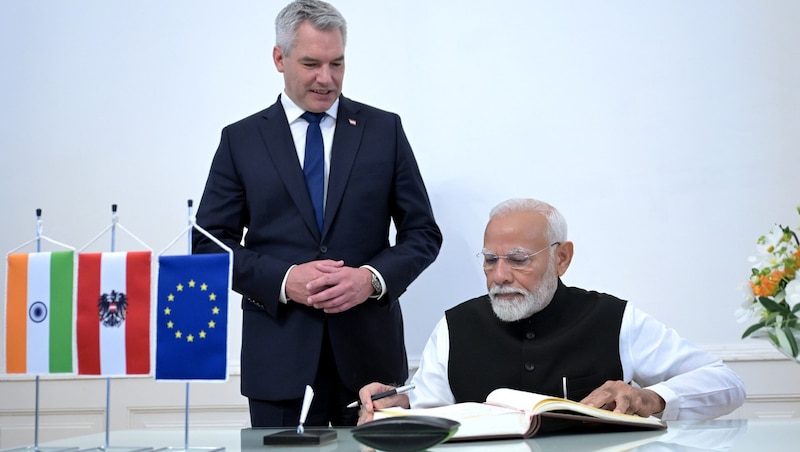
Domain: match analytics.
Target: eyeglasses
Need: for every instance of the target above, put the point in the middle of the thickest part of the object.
(517, 260)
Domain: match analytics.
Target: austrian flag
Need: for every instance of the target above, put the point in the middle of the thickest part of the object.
(113, 327)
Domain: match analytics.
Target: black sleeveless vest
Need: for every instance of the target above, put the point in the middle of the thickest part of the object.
(575, 336)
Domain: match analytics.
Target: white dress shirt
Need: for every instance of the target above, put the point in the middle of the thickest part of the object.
(693, 383)
(299, 126)
(327, 125)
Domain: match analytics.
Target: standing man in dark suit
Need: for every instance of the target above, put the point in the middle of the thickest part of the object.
(320, 289)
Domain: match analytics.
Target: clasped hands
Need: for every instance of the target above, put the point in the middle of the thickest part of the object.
(328, 285)
(616, 396)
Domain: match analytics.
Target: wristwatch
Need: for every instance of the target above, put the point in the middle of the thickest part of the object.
(377, 288)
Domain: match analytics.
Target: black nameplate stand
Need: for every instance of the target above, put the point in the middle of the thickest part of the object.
(307, 438)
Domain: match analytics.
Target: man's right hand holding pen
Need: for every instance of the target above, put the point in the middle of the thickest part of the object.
(368, 406)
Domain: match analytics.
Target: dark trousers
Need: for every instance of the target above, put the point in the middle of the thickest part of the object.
(327, 408)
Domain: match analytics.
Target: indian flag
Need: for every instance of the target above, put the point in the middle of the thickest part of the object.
(113, 326)
(39, 305)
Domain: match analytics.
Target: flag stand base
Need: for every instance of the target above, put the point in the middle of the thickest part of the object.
(42, 449)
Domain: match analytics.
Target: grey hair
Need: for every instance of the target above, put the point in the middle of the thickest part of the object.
(556, 224)
(323, 16)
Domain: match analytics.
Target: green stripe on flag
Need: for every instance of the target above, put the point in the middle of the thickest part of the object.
(61, 305)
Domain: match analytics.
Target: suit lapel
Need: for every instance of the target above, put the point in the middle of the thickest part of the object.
(349, 128)
(280, 148)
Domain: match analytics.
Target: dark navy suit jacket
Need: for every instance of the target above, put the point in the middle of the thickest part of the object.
(256, 182)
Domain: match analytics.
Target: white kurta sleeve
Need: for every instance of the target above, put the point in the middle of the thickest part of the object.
(432, 385)
(693, 383)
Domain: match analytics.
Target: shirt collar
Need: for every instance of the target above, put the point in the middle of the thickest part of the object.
(293, 111)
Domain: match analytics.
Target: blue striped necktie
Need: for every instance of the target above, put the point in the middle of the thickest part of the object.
(314, 164)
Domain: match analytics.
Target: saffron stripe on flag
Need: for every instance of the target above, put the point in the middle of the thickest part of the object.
(16, 313)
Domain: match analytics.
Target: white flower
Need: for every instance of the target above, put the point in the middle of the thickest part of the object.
(765, 247)
(747, 291)
(793, 292)
(750, 308)
(745, 314)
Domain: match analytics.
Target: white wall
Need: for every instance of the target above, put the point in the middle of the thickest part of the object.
(665, 131)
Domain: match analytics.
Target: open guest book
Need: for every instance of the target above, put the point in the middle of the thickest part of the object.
(509, 413)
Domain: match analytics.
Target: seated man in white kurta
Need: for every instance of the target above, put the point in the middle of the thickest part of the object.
(533, 333)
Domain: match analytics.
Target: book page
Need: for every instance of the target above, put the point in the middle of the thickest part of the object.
(455, 412)
(521, 400)
(478, 420)
(539, 404)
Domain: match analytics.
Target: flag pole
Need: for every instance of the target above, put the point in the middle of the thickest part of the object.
(36, 408)
(114, 220)
(108, 379)
(38, 230)
(189, 229)
(188, 251)
(112, 229)
(37, 240)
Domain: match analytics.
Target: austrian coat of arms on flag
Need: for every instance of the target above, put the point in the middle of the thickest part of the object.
(113, 326)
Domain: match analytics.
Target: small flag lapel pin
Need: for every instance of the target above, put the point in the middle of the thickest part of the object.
(352, 121)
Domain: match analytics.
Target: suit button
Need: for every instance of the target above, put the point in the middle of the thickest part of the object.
(323, 249)
(529, 367)
(530, 335)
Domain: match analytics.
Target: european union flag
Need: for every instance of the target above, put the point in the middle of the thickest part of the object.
(192, 317)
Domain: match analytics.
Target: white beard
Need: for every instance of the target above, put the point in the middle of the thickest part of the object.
(531, 302)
